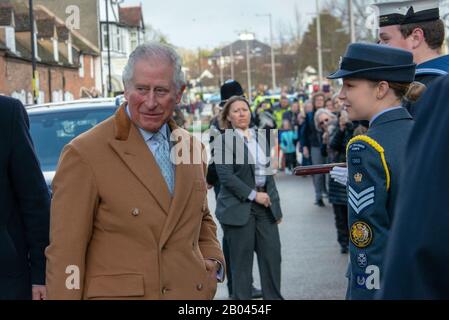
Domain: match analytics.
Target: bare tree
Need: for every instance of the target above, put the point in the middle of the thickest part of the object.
(340, 9)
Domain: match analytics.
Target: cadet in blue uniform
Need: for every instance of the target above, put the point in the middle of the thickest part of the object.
(375, 80)
(416, 26)
(416, 262)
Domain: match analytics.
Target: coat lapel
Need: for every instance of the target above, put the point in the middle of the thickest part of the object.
(248, 156)
(184, 181)
(132, 149)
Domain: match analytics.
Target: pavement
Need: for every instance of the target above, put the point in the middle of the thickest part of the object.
(312, 266)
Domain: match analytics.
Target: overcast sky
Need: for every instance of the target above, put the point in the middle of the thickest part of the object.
(210, 23)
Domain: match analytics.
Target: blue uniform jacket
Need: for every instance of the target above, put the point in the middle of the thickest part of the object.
(375, 162)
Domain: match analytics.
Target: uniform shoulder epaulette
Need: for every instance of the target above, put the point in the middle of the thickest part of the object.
(376, 146)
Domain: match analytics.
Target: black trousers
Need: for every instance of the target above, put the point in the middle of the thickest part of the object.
(260, 234)
(290, 160)
(341, 222)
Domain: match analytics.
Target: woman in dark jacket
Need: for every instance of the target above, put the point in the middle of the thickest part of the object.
(248, 205)
(338, 196)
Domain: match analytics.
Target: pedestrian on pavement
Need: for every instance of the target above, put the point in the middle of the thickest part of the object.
(229, 89)
(312, 147)
(248, 206)
(373, 90)
(128, 218)
(338, 195)
(24, 208)
(288, 139)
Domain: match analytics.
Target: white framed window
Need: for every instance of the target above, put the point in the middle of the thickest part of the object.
(69, 53)
(104, 34)
(81, 69)
(134, 40)
(92, 67)
(55, 50)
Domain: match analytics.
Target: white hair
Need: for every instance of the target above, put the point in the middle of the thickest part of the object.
(155, 50)
(318, 113)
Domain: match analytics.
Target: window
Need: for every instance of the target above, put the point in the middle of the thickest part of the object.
(52, 131)
(134, 40)
(81, 66)
(104, 34)
(91, 67)
(55, 50)
(69, 51)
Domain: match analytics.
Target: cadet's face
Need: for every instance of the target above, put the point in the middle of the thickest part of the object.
(152, 95)
(239, 115)
(392, 36)
(358, 97)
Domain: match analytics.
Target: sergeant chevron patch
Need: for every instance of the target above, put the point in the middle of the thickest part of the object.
(361, 200)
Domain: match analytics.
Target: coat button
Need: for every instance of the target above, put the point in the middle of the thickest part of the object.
(199, 287)
(135, 212)
(164, 290)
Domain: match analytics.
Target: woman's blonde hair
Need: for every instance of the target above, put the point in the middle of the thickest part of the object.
(223, 118)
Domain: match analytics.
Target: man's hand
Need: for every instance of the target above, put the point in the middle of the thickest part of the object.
(305, 152)
(263, 199)
(212, 266)
(39, 292)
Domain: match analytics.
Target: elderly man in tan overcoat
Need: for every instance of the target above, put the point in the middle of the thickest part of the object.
(127, 220)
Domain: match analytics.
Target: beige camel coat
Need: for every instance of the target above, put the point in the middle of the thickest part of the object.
(113, 219)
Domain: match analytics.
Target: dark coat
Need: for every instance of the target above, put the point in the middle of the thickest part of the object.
(337, 153)
(24, 206)
(237, 181)
(375, 166)
(417, 255)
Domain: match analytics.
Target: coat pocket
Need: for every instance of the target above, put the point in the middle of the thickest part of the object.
(116, 286)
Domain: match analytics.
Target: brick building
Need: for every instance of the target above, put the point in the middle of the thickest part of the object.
(66, 61)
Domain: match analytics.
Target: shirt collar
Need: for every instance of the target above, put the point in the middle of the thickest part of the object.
(146, 134)
(240, 133)
(383, 112)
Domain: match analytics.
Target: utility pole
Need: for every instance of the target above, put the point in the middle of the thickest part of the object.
(232, 62)
(319, 45)
(247, 37)
(35, 78)
(109, 49)
(351, 20)
(273, 63)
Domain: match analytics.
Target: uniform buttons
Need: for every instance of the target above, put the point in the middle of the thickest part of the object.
(199, 287)
(135, 212)
(165, 290)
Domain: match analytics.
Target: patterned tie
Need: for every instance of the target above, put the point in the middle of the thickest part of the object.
(162, 156)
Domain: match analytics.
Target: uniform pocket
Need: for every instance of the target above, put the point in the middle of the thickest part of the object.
(121, 285)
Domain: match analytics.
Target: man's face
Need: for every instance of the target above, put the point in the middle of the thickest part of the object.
(392, 36)
(152, 95)
(284, 103)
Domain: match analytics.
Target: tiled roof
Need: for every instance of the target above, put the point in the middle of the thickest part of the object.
(131, 16)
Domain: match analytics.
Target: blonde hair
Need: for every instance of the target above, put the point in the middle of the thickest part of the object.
(223, 118)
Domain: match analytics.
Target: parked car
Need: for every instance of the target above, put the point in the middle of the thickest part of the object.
(54, 125)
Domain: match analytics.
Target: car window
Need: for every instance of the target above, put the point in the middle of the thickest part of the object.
(53, 130)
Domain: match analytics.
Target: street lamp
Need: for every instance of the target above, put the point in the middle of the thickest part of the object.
(351, 20)
(35, 78)
(247, 36)
(116, 2)
(319, 45)
(273, 66)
